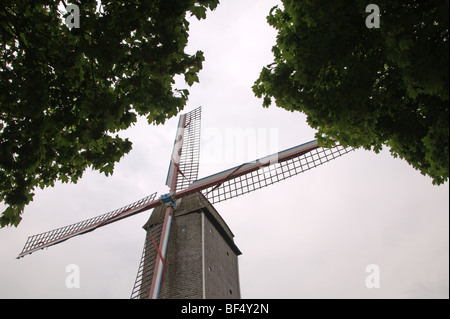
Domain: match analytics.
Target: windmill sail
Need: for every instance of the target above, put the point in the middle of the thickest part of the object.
(184, 164)
(266, 171)
(142, 285)
(53, 237)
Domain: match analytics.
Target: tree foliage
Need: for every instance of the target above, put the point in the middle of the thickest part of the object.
(65, 93)
(366, 87)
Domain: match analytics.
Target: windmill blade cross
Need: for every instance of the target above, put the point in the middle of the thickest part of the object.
(182, 181)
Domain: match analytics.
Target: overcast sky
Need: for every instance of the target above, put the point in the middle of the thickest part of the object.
(311, 236)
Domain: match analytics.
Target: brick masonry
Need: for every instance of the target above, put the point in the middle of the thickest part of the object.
(201, 259)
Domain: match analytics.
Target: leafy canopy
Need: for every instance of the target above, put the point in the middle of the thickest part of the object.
(66, 93)
(366, 87)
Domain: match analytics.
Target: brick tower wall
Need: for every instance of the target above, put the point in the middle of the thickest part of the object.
(201, 258)
(221, 265)
(183, 272)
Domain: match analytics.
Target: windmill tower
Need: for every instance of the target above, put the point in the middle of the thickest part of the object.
(201, 260)
(189, 251)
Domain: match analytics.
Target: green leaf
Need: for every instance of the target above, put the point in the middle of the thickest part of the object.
(199, 12)
(64, 178)
(191, 78)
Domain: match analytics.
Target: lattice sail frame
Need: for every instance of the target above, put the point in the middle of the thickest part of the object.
(190, 156)
(53, 237)
(272, 174)
(186, 151)
(142, 284)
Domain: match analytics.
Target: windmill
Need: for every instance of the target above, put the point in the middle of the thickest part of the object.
(183, 187)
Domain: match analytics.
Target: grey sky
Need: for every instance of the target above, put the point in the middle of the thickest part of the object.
(311, 236)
